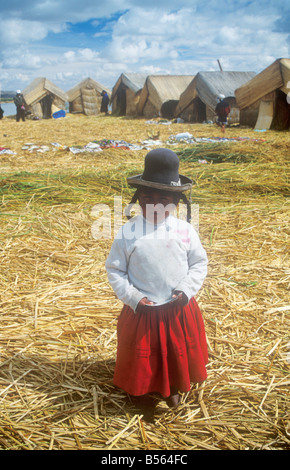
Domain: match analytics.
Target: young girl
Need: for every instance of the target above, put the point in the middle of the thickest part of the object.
(156, 266)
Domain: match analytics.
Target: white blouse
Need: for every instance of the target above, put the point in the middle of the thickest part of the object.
(153, 261)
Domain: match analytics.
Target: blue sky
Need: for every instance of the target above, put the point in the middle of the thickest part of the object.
(67, 40)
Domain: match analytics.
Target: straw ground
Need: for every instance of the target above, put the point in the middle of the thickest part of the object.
(58, 314)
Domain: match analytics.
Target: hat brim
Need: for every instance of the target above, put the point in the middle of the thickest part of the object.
(137, 182)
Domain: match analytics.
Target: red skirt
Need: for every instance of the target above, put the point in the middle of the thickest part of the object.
(163, 348)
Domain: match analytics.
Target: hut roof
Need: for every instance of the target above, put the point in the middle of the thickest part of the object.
(39, 88)
(209, 85)
(163, 88)
(274, 77)
(134, 81)
(88, 83)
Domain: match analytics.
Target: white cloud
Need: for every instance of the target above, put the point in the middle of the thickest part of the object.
(14, 31)
(88, 54)
(160, 37)
(23, 59)
(18, 31)
(137, 38)
(80, 56)
(187, 33)
(70, 56)
(55, 11)
(151, 70)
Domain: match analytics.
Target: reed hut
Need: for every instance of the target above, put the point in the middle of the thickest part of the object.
(43, 98)
(197, 103)
(86, 97)
(160, 95)
(263, 100)
(126, 93)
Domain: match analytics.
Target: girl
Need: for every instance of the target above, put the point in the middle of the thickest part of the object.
(156, 266)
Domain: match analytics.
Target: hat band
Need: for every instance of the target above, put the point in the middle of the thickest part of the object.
(175, 183)
(166, 181)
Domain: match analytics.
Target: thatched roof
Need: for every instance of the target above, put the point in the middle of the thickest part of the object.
(87, 83)
(39, 88)
(209, 85)
(274, 77)
(86, 97)
(133, 81)
(159, 89)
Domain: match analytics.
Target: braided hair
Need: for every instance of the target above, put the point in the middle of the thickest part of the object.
(177, 198)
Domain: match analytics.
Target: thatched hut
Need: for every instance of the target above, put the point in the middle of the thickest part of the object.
(43, 98)
(263, 100)
(86, 97)
(197, 103)
(126, 93)
(160, 95)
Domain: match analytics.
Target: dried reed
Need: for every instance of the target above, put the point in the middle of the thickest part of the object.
(58, 314)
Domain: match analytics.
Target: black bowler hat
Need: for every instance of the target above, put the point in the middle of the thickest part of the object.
(161, 171)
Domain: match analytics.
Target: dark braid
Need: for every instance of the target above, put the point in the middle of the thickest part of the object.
(178, 196)
(188, 205)
(131, 203)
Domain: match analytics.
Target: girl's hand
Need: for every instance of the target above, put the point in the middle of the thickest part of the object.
(180, 298)
(141, 307)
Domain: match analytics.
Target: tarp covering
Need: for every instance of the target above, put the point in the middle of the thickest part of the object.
(209, 85)
(161, 89)
(133, 81)
(272, 78)
(265, 117)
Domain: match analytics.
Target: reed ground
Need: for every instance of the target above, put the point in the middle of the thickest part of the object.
(58, 313)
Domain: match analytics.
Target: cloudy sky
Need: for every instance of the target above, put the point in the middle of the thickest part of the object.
(68, 40)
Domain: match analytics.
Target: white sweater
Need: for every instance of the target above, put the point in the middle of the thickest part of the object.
(153, 261)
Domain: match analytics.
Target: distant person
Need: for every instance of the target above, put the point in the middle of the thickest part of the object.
(1, 112)
(20, 106)
(105, 102)
(222, 110)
